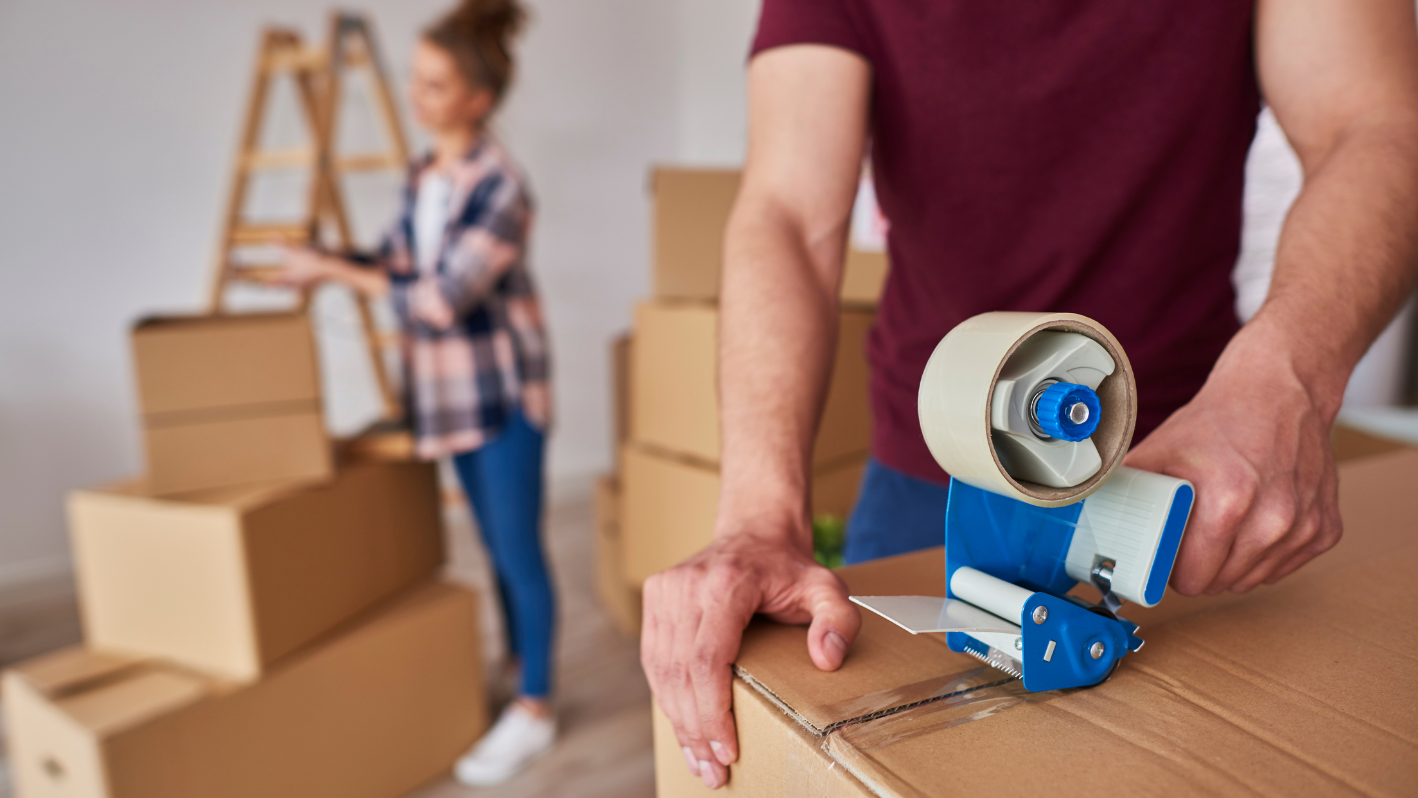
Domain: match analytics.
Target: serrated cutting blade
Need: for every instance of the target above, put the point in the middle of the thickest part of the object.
(1000, 661)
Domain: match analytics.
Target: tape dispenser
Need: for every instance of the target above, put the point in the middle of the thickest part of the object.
(1031, 414)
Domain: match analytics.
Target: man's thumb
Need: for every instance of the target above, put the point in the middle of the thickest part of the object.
(835, 623)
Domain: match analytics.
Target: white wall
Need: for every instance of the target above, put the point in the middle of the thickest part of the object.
(117, 127)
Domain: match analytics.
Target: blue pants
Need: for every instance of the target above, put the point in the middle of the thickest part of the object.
(895, 513)
(503, 480)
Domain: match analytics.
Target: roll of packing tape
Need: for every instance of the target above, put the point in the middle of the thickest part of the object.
(983, 381)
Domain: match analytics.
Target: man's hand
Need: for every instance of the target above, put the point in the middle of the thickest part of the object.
(695, 614)
(1255, 443)
(778, 316)
(1342, 78)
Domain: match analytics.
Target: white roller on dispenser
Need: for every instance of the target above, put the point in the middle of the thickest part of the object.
(987, 592)
(991, 380)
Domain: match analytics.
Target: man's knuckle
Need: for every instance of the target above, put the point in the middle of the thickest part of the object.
(1230, 506)
(703, 666)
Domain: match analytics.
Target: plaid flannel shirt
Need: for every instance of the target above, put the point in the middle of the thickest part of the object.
(474, 342)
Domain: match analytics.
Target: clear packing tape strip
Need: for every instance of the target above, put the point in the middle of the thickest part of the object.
(957, 398)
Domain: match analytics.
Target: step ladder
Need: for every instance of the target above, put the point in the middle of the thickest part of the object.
(319, 75)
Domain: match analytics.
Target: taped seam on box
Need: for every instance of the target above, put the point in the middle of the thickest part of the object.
(882, 703)
(958, 709)
(208, 415)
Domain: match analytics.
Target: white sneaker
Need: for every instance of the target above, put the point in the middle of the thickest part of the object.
(516, 739)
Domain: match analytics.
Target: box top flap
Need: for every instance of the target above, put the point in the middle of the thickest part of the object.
(74, 669)
(1292, 691)
(240, 498)
(888, 670)
(133, 699)
(193, 366)
(163, 321)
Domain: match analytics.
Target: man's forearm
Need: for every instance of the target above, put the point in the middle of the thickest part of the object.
(1347, 255)
(777, 333)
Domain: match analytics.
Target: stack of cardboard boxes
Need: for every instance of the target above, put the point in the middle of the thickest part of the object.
(659, 507)
(259, 619)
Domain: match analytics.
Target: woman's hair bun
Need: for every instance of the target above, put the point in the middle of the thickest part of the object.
(493, 20)
(478, 34)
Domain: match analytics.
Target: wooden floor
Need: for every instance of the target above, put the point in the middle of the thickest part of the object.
(602, 700)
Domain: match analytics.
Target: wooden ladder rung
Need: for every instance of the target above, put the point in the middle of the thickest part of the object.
(270, 234)
(265, 275)
(367, 162)
(278, 159)
(296, 59)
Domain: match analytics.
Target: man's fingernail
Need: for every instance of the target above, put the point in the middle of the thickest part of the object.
(690, 760)
(706, 772)
(721, 752)
(835, 646)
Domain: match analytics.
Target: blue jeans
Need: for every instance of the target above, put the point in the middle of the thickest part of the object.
(895, 513)
(503, 480)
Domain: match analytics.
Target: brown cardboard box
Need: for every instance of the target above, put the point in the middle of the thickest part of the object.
(230, 400)
(863, 278)
(1308, 687)
(621, 349)
(1351, 443)
(668, 506)
(370, 713)
(691, 210)
(674, 393)
(620, 600)
(230, 580)
(382, 441)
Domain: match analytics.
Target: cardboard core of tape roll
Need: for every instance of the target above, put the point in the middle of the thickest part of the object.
(1117, 394)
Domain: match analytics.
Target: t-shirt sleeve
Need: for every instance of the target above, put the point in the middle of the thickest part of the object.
(830, 22)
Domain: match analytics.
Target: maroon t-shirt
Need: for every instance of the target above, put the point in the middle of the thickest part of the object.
(1084, 157)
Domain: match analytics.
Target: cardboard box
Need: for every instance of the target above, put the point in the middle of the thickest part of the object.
(620, 600)
(230, 580)
(691, 211)
(1351, 443)
(668, 506)
(1307, 687)
(621, 349)
(674, 384)
(382, 441)
(230, 400)
(863, 278)
(372, 713)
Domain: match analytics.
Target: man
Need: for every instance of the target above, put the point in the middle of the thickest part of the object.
(1082, 157)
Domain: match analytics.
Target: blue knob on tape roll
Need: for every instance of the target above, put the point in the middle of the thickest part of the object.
(1067, 411)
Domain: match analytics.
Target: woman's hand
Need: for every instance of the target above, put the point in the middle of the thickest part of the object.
(305, 267)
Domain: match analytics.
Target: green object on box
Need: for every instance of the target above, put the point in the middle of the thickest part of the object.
(829, 534)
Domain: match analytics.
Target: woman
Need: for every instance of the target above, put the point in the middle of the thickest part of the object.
(475, 348)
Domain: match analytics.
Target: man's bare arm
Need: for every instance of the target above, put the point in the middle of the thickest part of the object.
(778, 328)
(1342, 78)
(782, 272)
